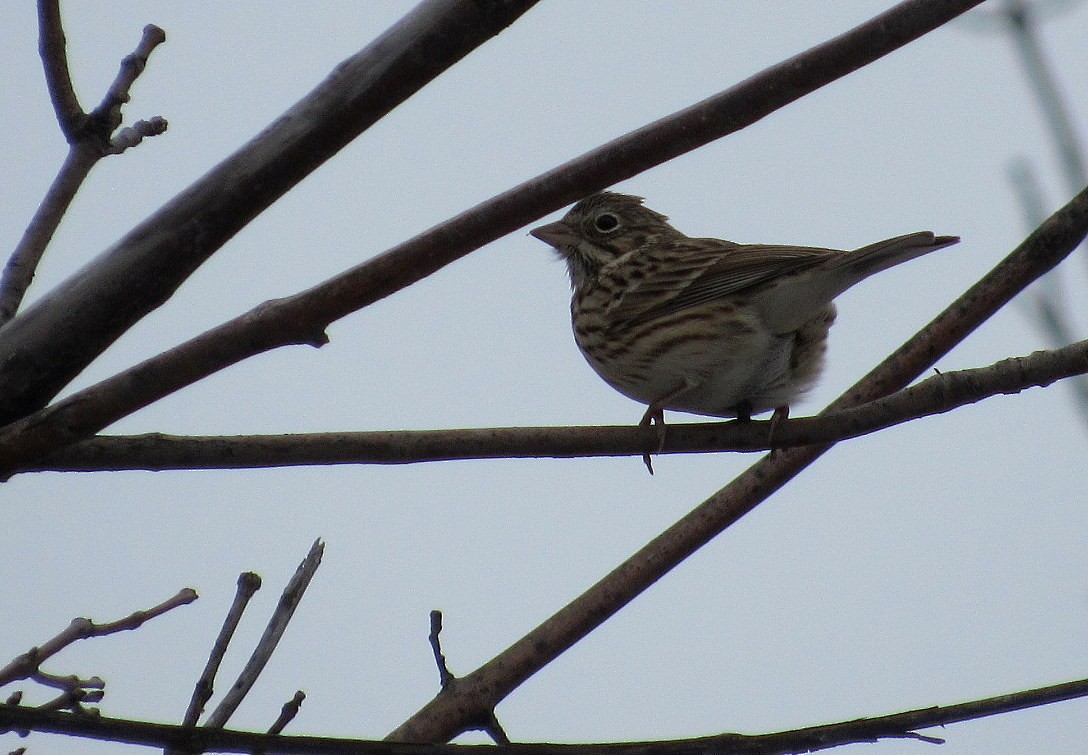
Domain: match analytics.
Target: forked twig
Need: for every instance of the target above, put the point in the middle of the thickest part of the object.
(90, 136)
(27, 665)
(97, 306)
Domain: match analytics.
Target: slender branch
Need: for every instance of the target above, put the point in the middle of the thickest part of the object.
(894, 726)
(478, 692)
(1050, 311)
(289, 601)
(23, 264)
(936, 395)
(445, 676)
(302, 318)
(27, 664)
(1044, 303)
(68, 682)
(1045, 85)
(53, 340)
(52, 46)
(90, 138)
(248, 584)
(108, 113)
(288, 712)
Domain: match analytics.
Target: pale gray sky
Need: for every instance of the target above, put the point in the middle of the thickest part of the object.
(936, 562)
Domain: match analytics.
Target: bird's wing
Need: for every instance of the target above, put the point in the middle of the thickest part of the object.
(678, 275)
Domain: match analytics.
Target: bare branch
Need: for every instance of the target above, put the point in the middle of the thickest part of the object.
(481, 690)
(895, 726)
(288, 712)
(1049, 311)
(129, 137)
(938, 394)
(90, 138)
(248, 584)
(444, 675)
(301, 319)
(289, 601)
(26, 665)
(107, 116)
(68, 682)
(1044, 83)
(63, 332)
(52, 46)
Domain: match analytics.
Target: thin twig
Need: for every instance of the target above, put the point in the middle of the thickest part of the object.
(894, 726)
(108, 112)
(91, 137)
(73, 699)
(70, 681)
(52, 46)
(444, 675)
(289, 601)
(935, 395)
(302, 318)
(1043, 302)
(1044, 83)
(27, 664)
(21, 267)
(248, 584)
(288, 712)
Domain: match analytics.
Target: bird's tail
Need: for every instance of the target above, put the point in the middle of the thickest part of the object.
(798, 299)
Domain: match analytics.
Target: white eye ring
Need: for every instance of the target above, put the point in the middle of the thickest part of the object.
(606, 222)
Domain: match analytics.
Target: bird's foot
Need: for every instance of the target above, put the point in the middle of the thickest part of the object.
(655, 415)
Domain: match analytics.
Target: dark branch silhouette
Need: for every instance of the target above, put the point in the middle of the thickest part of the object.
(935, 395)
(894, 726)
(63, 332)
(42, 349)
(302, 318)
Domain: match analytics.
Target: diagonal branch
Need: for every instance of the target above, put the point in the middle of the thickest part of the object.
(302, 318)
(938, 394)
(476, 694)
(52, 341)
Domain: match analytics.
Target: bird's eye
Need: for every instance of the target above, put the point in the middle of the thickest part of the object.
(606, 222)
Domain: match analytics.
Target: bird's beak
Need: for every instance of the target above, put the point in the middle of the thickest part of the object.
(557, 234)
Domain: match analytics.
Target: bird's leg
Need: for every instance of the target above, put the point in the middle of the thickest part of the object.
(655, 415)
(744, 411)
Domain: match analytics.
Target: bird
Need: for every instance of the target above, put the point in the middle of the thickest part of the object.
(704, 325)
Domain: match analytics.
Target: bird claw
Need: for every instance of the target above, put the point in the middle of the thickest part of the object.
(655, 415)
